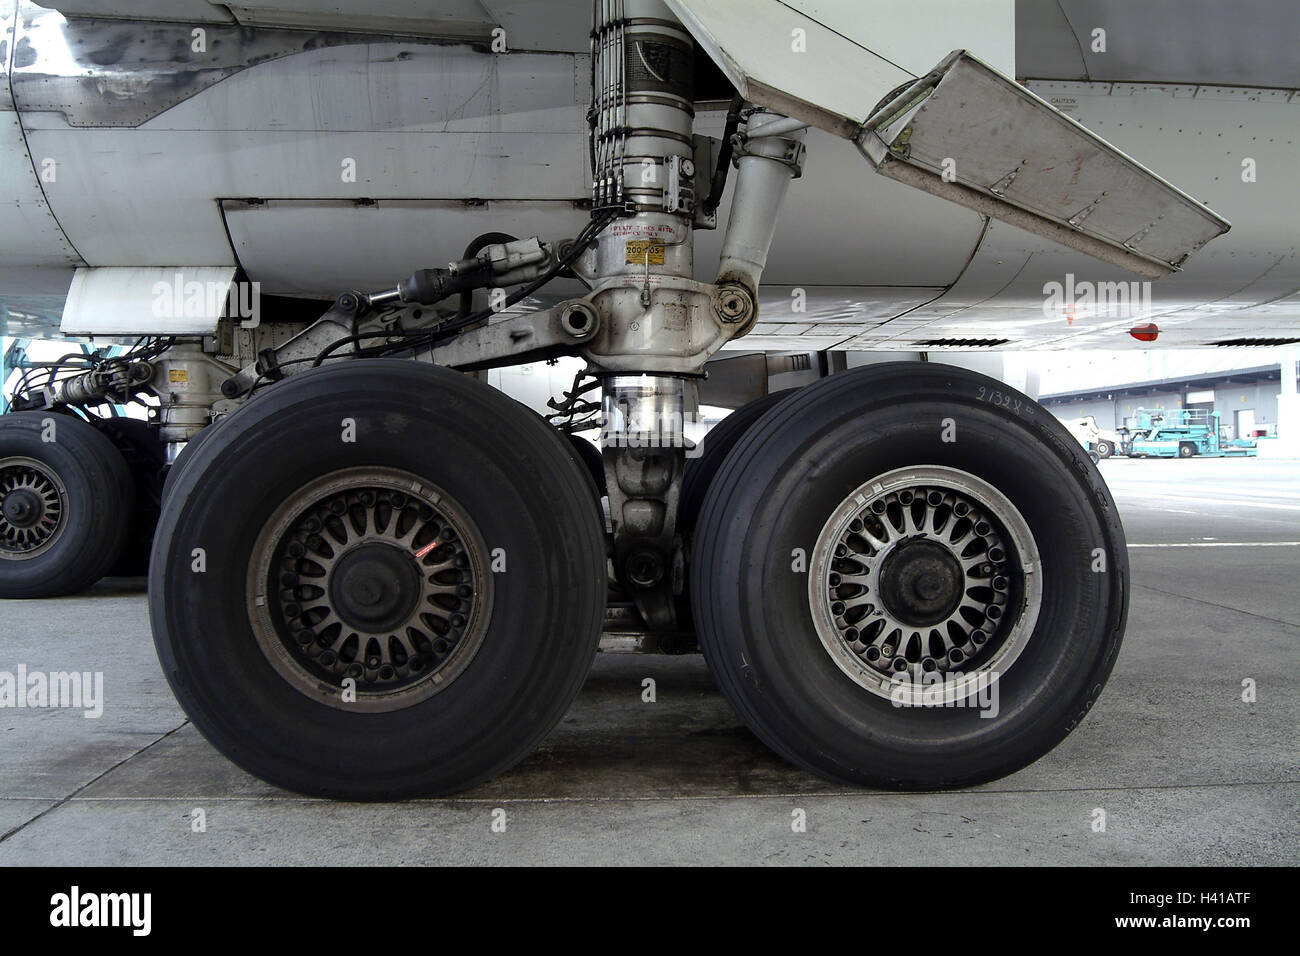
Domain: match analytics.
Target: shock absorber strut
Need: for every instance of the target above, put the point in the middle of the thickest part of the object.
(658, 325)
(642, 150)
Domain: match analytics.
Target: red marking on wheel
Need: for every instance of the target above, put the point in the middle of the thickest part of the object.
(426, 549)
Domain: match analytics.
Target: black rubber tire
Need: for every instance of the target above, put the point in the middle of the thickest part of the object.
(100, 505)
(592, 462)
(146, 457)
(1104, 449)
(775, 492)
(172, 476)
(1186, 450)
(514, 476)
(713, 450)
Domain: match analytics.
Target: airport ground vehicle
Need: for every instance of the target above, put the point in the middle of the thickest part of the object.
(1182, 433)
(1086, 430)
(374, 576)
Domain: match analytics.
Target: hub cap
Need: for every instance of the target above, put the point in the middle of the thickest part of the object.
(32, 508)
(372, 575)
(924, 573)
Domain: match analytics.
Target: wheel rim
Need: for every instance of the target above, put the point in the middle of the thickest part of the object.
(33, 508)
(924, 573)
(371, 574)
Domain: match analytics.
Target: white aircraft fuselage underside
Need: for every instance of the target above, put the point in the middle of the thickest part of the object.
(114, 154)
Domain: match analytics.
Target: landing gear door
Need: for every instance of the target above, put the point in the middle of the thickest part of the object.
(962, 131)
(966, 133)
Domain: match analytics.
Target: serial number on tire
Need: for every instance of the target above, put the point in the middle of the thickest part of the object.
(996, 397)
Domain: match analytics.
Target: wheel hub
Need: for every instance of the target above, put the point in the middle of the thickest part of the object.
(372, 575)
(31, 507)
(921, 583)
(375, 587)
(924, 572)
(22, 508)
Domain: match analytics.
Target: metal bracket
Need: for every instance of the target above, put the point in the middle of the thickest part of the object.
(520, 338)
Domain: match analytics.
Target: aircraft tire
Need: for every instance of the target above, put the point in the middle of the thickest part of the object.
(66, 504)
(977, 498)
(381, 579)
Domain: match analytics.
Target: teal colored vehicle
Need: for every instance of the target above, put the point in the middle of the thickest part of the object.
(1182, 433)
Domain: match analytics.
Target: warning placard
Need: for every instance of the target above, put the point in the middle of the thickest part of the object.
(645, 250)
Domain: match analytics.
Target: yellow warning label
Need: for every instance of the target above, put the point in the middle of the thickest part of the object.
(179, 376)
(639, 249)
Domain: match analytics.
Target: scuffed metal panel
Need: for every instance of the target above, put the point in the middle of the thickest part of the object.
(122, 73)
(417, 121)
(968, 134)
(197, 11)
(554, 25)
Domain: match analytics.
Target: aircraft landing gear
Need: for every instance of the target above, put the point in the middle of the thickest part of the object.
(909, 576)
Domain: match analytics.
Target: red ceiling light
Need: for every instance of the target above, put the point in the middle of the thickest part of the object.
(1145, 333)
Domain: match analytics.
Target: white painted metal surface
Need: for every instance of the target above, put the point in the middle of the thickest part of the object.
(157, 301)
(828, 62)
(880, 265)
